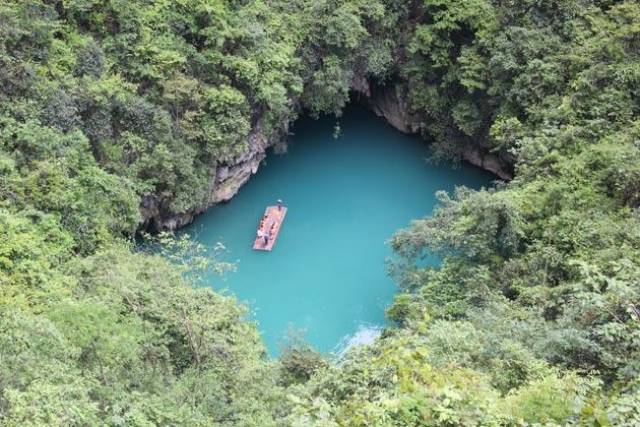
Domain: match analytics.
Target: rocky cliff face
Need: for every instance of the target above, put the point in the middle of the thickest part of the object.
(224, 183)
(225, 180)
(391, 103)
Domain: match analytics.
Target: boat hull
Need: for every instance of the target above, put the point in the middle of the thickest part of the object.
(271, 223)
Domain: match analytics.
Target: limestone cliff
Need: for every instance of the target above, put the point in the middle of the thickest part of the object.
(391, 103)
(224, 183)
(226, 179)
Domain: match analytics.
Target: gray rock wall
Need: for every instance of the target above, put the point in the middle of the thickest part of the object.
(389, 102)
(224, 183)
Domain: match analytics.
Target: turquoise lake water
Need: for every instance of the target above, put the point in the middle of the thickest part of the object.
(326, 275)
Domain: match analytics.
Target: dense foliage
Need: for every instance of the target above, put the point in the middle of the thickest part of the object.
(533, 316)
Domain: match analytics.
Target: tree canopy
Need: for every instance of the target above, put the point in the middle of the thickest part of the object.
(533, 317)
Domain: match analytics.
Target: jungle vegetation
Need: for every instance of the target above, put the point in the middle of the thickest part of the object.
(533, 318)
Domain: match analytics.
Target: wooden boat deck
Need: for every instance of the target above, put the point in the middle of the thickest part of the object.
(271, 223)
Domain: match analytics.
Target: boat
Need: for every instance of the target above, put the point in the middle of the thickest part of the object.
(270, 225)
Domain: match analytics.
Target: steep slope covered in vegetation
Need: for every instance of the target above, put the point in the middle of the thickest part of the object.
(533, 316)
(180, 99)
(106, 106)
